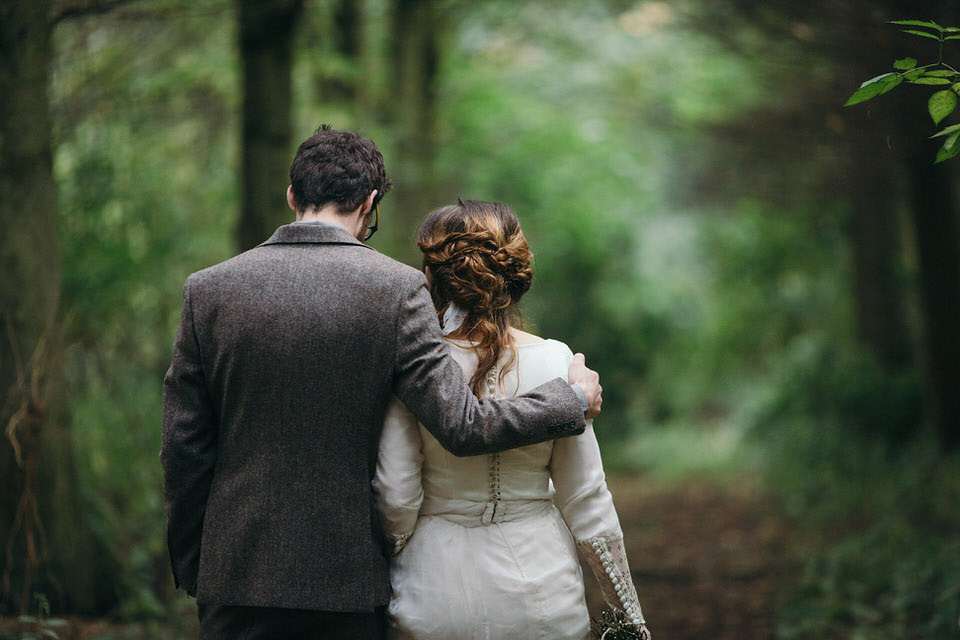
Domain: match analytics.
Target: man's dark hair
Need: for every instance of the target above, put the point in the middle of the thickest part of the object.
(339, 167)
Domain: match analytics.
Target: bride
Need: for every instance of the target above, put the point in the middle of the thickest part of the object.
(485, 546)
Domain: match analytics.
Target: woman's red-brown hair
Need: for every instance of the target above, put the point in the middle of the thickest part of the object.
(478, 259)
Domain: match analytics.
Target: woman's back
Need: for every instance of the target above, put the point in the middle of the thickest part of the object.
(517, 474)
(489, 555)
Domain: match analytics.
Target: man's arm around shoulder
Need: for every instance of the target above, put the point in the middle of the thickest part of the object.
(432, 385)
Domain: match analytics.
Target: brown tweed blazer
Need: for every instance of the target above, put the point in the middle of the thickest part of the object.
(284, 362)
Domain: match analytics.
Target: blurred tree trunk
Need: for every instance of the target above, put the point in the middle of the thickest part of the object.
(876, 252)
(935, 223)
(935, 216)
(415, 43)
(266, 51)
(47, 547)
(868, 179)
(347, 22)
(347, 40)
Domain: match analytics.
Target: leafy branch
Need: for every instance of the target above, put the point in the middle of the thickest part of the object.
(943, 102)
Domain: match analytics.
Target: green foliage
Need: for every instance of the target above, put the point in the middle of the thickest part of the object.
(716, 450)
(875, 87)
(882, 558)
(950, 147)
(146, 196)
(872, 497)
(942, 103)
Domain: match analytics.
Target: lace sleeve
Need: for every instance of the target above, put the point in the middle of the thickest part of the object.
(396, 483)
(608, 561)
(587, 507)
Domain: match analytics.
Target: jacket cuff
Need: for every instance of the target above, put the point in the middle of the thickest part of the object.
(581, 396)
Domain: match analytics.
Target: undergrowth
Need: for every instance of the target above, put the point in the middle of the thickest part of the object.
(882, 535)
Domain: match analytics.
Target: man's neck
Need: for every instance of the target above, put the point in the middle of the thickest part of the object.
(330, 214)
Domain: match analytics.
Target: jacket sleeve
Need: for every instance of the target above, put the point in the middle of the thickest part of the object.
(396, 482)
(188, 450)
(587, 507)
(431, 384)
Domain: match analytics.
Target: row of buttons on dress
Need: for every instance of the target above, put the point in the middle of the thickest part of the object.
(493, 462)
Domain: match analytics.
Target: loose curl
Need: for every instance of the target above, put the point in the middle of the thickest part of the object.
(478, 259)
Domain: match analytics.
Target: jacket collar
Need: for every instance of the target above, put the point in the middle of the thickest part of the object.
(312, 234)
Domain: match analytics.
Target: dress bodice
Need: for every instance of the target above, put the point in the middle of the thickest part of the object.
(452, 483)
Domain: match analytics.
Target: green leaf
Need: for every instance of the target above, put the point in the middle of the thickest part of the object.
(876, 79)
(941, 73)
(917, 23)
(922, 33)
(952, 37)
(941, 104)
(954, 128)
(913, 73)
(929, 80)
(875, 87)
(905, 64)
(949, 149)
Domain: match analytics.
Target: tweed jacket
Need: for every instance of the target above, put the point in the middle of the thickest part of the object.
(284, 362)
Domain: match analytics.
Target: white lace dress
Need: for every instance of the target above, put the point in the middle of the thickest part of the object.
(485, 546)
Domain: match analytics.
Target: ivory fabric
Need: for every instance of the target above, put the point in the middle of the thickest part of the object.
(485, 545)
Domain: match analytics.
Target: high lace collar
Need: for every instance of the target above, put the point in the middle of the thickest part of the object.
(453, 317)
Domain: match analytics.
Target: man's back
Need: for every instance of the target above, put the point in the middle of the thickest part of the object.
(297, 343)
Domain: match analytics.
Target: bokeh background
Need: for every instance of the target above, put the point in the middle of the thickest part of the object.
(767, 281)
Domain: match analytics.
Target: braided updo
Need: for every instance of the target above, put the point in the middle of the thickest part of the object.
(478, 259)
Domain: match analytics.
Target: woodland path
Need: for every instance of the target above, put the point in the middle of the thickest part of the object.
(709, 560)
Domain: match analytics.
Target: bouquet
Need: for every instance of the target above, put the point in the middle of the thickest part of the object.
(614, 625)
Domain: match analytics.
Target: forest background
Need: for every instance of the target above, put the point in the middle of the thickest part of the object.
(767, 281)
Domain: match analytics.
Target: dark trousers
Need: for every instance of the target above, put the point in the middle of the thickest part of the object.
(263, 623)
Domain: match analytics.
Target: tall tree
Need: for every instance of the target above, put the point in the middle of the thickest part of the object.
(266, 51)
(46, 547)
(348, 41)
(937, 231)
(876, 253)
(934, 211)
(415, 39)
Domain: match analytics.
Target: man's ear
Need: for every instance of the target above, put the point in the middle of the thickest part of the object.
(290, 201)
(368, 203)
